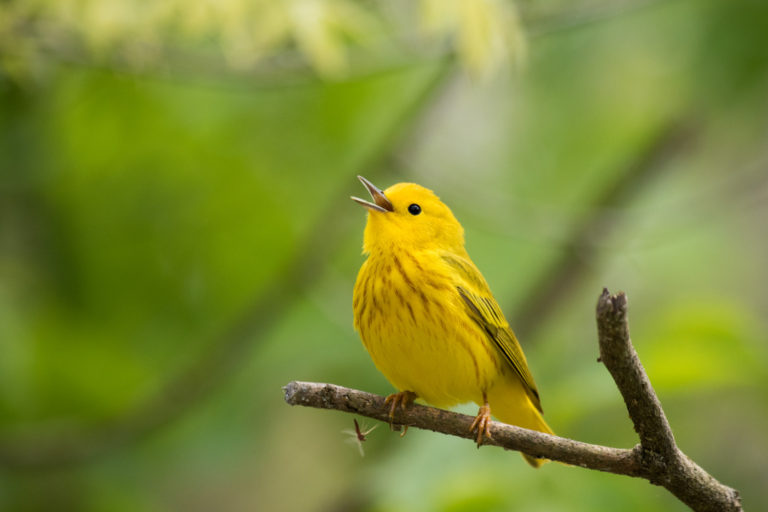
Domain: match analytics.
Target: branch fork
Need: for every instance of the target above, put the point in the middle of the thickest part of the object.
(656, 458)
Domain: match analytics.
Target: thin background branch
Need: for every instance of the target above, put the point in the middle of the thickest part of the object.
(580, 251)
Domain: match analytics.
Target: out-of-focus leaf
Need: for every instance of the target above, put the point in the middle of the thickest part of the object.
(486, 33)
(243, 34)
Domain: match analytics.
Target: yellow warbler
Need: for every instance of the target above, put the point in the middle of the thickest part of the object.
(428, 319)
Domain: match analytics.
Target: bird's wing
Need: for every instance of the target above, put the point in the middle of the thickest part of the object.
(484, 310)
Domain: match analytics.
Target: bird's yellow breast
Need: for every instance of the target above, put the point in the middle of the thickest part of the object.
(414, 324)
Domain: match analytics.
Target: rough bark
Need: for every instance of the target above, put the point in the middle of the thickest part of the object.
(656, 459)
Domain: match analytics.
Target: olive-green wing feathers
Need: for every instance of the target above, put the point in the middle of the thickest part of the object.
(484, 310)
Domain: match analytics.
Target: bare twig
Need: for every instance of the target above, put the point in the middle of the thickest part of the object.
(666, 464)
(656, 459)
(509, 437)
(619, 356)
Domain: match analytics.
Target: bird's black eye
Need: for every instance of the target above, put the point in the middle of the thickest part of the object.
(414, 209)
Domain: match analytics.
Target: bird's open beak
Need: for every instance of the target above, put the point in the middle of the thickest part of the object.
(382, 204)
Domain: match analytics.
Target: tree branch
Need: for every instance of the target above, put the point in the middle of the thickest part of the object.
(656, 459)
(619, 356)
(667, 465)
(509, 437)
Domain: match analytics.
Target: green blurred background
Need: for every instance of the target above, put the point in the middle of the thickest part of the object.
(177, 242)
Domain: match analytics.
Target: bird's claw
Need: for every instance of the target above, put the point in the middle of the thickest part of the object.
(403, 399)
(482, 424)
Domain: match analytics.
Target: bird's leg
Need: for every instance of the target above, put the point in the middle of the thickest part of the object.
(482, 422)
(403, 399)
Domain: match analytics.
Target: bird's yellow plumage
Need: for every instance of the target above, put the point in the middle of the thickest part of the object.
(428, 319)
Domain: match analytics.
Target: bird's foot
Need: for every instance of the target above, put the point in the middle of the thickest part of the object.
(402, 399)
(482, 424)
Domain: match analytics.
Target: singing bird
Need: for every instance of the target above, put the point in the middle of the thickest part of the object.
(428, 319)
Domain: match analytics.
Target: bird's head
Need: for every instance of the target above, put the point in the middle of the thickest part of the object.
(409, 216)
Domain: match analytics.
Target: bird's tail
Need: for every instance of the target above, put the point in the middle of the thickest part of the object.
(510, 404)
(541, 426)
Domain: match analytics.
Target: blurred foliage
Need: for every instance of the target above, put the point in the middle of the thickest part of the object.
(176, 241)
(281, 34)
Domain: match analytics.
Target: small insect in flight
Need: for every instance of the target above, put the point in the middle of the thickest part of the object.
(358, 436)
